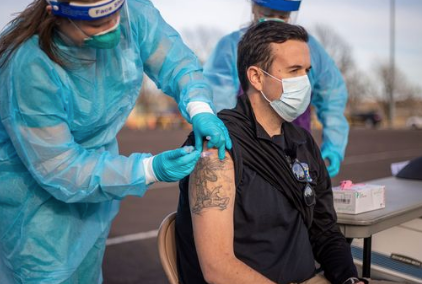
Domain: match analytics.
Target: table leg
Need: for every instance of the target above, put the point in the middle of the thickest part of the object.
(366, 266)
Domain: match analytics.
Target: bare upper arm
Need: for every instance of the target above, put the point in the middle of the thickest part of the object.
(211, 184)
(211, 201)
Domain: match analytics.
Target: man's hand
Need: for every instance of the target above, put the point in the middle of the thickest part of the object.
(209, 126)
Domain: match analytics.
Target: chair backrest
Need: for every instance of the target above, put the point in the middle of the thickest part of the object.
(167, 247)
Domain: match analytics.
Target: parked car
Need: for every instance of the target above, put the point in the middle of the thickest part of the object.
(414, 122)
(369, 119)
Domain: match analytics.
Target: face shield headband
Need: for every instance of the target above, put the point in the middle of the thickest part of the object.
(85, 11)
(280, 5)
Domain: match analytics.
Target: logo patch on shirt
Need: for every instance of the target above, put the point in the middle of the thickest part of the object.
(306, 170)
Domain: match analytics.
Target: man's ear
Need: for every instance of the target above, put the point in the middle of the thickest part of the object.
(255, 77)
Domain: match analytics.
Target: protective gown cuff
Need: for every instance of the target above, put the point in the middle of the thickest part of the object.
(194, 108)
(325, 150)
(149, 171)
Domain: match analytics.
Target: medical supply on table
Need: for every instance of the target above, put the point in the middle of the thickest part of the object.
(352, 198)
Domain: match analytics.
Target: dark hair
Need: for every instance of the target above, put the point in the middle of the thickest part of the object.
(254, 48)
(34, 20)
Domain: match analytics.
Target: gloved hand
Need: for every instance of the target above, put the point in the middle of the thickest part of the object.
(213, 129)
(334, 162)
(174, 165)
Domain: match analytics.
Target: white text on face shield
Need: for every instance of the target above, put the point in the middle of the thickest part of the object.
(106, 10)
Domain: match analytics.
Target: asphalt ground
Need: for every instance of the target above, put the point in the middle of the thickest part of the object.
(131, 256)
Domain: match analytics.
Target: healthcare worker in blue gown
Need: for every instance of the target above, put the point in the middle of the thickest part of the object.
(329, 93)
(70, 74)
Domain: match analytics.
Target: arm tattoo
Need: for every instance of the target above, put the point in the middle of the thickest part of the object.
(208, 196)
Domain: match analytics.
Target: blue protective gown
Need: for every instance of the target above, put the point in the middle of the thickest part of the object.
(329, 92)
(61, 175)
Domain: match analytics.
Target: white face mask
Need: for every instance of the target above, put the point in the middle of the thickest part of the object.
(295, 98)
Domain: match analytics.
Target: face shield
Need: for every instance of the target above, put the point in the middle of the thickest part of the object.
(121, 60)
(80, 11)
(85, 11)
(285, 10)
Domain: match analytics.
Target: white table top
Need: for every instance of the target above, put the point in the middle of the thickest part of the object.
(403, 203)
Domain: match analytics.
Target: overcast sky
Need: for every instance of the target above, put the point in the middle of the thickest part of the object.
(364, 24)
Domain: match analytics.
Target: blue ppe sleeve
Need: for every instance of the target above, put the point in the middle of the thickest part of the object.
(329, 96)
(36, 115)
(220, 71)
(173, 67)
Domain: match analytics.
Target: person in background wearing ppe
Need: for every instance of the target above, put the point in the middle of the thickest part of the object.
(70, 74)
(329, 93)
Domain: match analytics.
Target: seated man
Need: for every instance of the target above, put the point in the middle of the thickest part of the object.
(265, 213)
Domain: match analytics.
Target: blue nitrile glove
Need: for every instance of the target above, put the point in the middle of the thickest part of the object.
(209, 126)
(334, 160)
(174, 165)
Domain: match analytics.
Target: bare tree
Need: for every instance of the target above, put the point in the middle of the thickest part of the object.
(359, 86)
(360, 89)
(202, 40)
(336, 47)
(403, 90)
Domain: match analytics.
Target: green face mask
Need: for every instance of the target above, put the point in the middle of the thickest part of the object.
(105, 40)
